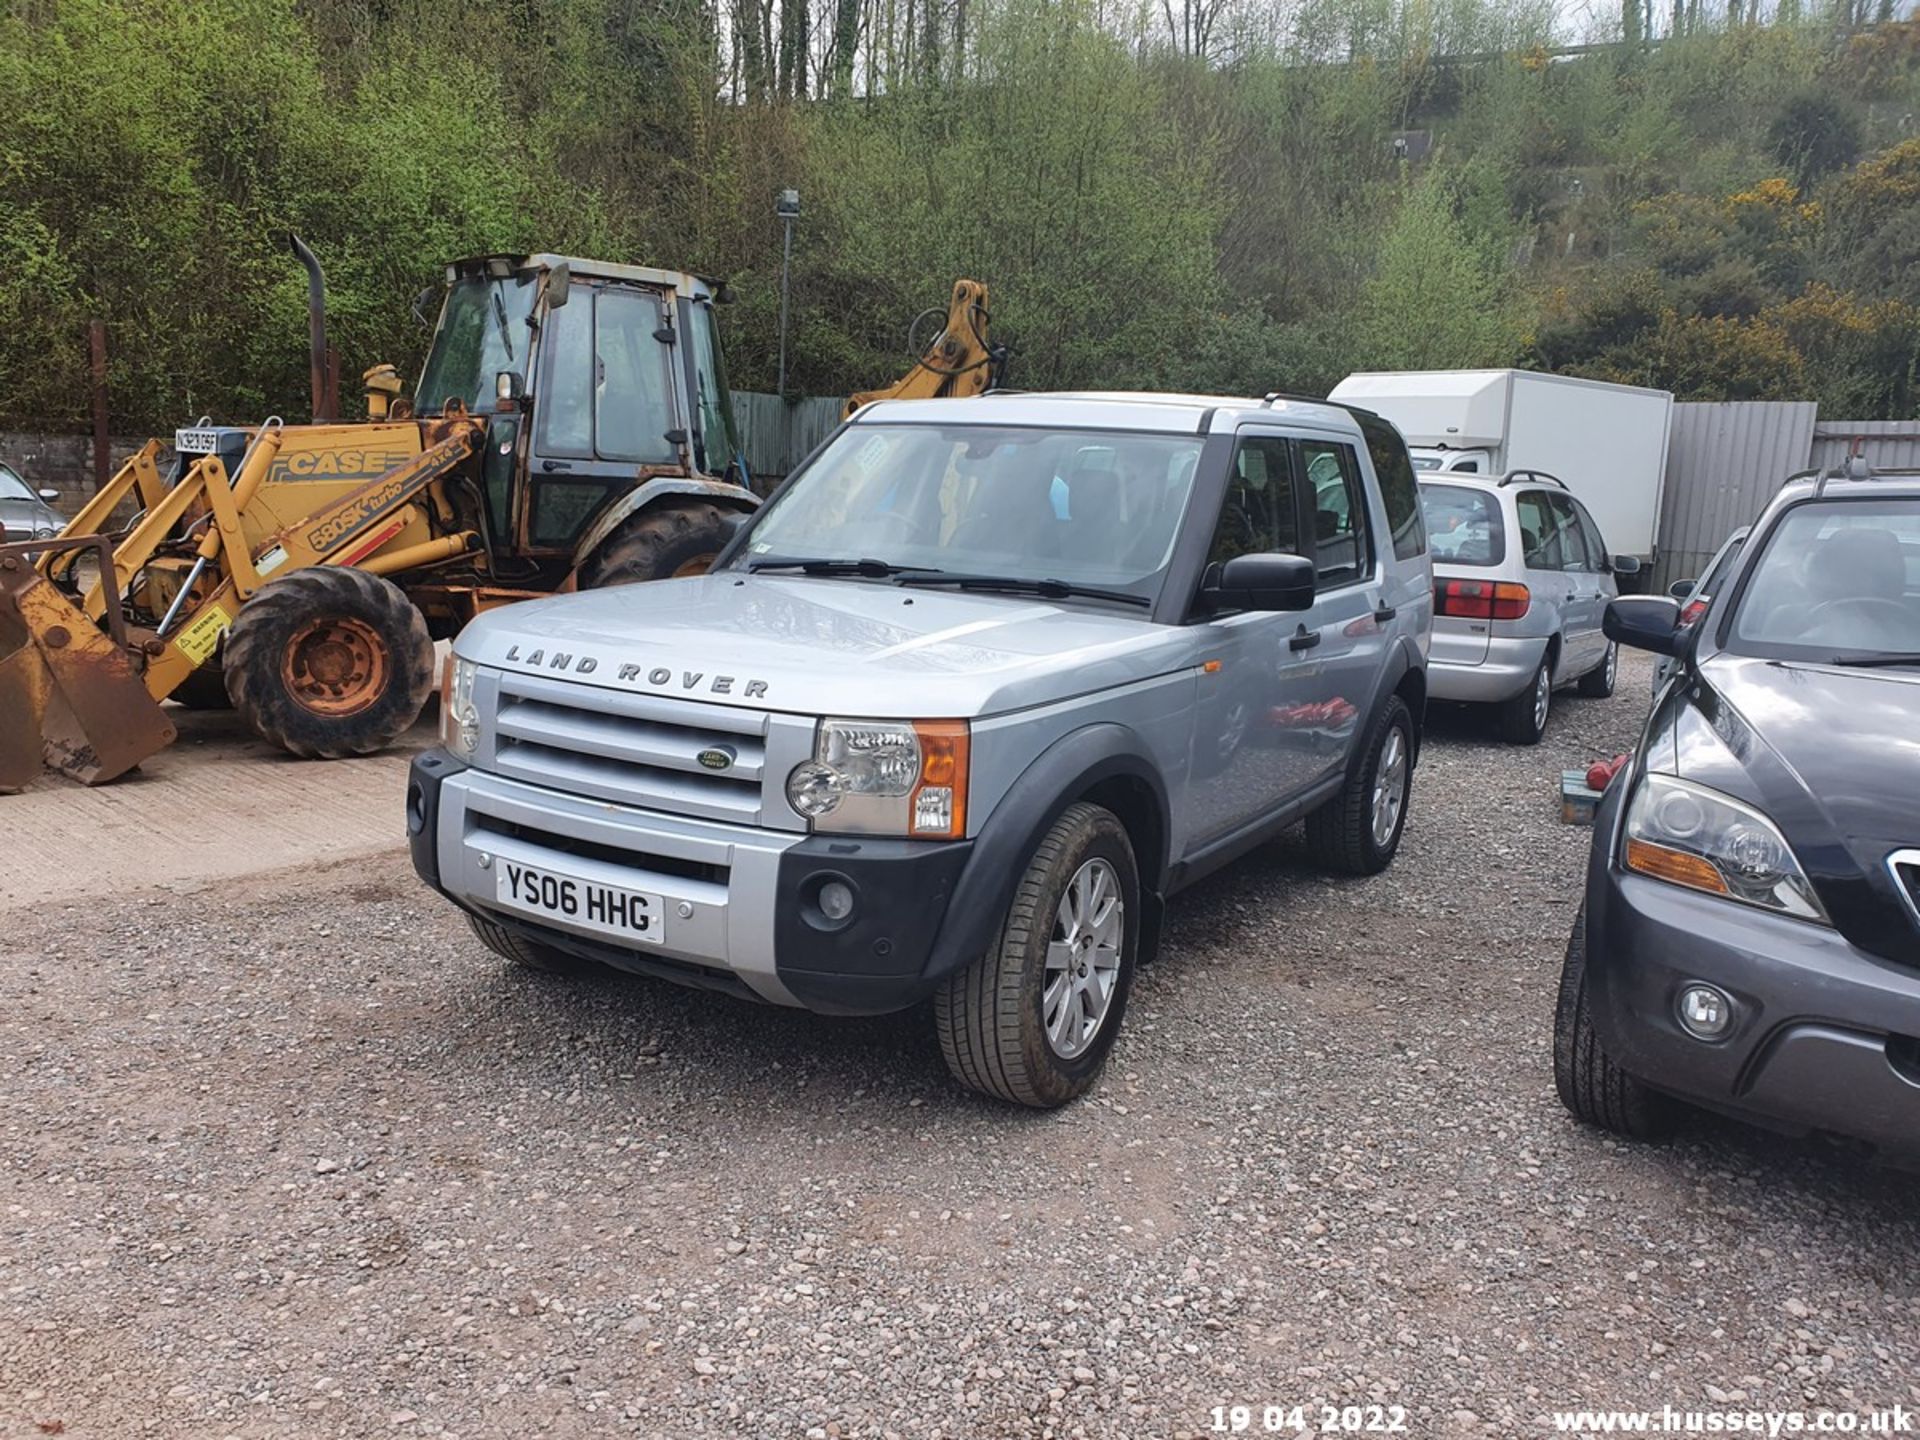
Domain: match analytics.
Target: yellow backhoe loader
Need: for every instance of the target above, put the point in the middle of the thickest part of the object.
(960, 361)
(572, 427)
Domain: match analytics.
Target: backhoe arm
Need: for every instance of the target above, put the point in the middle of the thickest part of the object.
(960, 361)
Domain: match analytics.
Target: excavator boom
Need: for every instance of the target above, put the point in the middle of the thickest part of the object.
(960, 361)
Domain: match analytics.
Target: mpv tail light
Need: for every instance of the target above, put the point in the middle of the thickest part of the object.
(1480, 599)
(1694, 609)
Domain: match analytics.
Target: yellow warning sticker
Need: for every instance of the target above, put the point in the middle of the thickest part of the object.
(198, 640)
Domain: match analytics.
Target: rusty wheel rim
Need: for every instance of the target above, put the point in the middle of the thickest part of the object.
(698, 565)
(335, 666)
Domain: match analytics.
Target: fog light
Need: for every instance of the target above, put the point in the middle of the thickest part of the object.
(1705, 1013)
(836, 900)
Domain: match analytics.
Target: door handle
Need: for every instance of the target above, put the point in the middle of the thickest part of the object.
(1304, 639)
(549, 466)
(1384, 612)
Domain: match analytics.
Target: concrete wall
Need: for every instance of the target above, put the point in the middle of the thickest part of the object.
(63, 462)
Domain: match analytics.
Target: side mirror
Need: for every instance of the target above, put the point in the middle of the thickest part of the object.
(1273, 581)
(420, 304)
(1683, 589)
(49, 495)
(1626, 565)
(556, 286)
(1646, 622)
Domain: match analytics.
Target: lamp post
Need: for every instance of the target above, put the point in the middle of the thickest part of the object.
(787, 207)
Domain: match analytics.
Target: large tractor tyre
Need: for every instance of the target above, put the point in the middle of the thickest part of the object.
(1032, 1020)
(204, 689)
(528, 954)
(329, 662)
(660, 543)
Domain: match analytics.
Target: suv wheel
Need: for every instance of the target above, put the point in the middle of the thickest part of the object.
(1597, 683)
(1590, 1084)
(1523, 719)
(1359, 830)
(528, 953)
(1032, 1020)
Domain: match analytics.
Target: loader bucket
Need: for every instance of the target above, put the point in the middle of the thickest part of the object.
(69, 697)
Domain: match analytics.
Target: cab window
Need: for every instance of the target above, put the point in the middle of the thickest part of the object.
(607, 393)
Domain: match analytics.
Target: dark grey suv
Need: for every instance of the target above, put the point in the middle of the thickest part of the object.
(1750, 940)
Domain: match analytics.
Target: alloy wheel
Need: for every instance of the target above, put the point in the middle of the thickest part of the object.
(1389, 788)
(1083, 959)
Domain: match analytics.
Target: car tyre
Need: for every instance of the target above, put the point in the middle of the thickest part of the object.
(528, 954)
(1033, 1019)
(1597, 683)
(1591, 1085)
(1523, 719)
(1359, 830)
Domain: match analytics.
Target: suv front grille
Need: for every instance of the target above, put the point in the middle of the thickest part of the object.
(643, 750)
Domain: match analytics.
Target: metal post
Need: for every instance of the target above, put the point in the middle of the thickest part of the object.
(787, 207)
(102, 444)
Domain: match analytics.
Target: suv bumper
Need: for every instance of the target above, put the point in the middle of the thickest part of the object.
(1508, 668)
(1825, 1037)
(739, 904)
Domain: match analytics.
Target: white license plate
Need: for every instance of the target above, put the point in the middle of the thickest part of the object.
(196, 442)
(625, 914)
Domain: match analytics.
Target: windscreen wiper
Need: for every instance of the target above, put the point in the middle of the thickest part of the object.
(1873, 659)
(500, 318)
(1047, 589)
(813, 565)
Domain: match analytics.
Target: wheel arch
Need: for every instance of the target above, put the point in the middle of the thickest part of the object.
(666, 487)
(1103, 763)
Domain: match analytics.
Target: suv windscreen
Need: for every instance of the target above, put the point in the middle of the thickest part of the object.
(483, 330)
(1836, 579)
(1087, 507)
(1463, 525)
(12, 487)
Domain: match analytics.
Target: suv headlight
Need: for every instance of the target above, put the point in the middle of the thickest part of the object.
(459, 720)
(885, 777)
(1689, 835)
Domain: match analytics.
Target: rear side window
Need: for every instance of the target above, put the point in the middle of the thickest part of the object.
(1463, 525)
(1341, 554)
(1540, 540)
(1398, 487)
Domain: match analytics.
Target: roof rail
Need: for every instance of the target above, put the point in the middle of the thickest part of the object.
(1854, 467)
(1267, 402)
(1513, 476)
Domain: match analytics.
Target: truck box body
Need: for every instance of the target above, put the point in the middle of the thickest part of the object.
(1607, 442)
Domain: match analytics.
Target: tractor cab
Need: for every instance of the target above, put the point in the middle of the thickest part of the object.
(593, 378)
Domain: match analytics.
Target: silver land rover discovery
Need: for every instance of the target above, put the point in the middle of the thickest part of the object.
(979, 687)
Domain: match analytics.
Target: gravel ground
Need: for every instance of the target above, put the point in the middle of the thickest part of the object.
(297, 1157)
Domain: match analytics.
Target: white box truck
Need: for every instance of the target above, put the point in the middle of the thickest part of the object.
(1607, 442)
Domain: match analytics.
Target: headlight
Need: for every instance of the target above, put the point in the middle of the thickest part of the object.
(1690, 835)
(885, 777)
(459, 721)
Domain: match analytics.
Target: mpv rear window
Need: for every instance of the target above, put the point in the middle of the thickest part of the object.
(1463, 525)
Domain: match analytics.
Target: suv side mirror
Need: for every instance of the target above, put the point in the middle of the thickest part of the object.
(1683, 589)
(49, 495)
(1646, 622)
(1272, 581)
(1626, 565)
(556, 285)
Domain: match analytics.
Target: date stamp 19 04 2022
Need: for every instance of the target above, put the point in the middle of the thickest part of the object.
(1317, 1419)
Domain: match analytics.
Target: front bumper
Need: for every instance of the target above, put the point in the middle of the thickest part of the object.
(1826, 1037)
(1508, 668)
(738, 901)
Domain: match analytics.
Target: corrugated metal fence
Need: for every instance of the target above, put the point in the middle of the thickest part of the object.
(778, 435)
(1726, 460)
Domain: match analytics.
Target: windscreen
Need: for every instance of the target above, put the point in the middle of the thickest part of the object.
(482, 331)
(1836, 579)
(1093, 508)
(12, 487)
(1463, 525)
